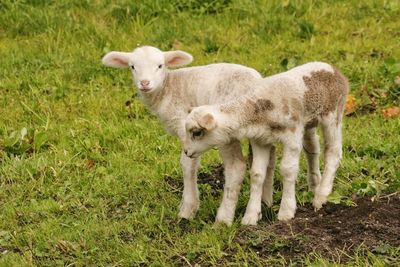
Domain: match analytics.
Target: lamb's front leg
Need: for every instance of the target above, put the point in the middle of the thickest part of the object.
(234, 170)
(289, 170)
(268, 187)
(258, 172)
(190, 199)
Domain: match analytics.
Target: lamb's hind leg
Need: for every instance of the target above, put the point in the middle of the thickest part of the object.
(190, 199)
(258, 172)
(332, 130)
(312, 149)
(234, 170)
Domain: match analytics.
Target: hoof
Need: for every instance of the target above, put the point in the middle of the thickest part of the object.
(285, 215)
(251, 219)
(319, 200)
(268, 201)
(221, 219)
(188, 211)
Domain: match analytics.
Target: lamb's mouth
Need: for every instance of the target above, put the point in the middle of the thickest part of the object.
(146, 89)
(192, 155)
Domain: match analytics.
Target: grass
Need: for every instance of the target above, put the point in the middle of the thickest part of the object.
(82, 174)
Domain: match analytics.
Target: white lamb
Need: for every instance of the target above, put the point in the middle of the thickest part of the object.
(283, 108)
(170, 94)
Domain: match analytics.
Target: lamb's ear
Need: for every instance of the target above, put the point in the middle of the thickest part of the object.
(177, 58)
(116, 59)
(207, 122)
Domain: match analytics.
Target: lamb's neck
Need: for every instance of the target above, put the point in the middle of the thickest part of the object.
(243, 116)
(235, 125)
(172, 94)
(239, 109)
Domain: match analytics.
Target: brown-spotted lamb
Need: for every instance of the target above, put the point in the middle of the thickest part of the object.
(170, 93)
(284, 108)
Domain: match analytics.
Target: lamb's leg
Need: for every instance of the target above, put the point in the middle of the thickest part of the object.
(234, 170)
(289, 170)
(258, 171)
(312, 150)
(332, 155)
(190, 199)
(268, 187)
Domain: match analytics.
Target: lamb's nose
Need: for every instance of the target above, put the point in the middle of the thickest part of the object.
(145, 82)
(188, 154)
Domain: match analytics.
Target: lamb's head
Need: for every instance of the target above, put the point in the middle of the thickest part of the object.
(204, 130)
(148, 65)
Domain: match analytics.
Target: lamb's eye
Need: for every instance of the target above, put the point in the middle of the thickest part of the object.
(197, 134)
(160, 66)
(132, 67)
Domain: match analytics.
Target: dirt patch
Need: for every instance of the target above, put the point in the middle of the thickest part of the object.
(214, 177)
(335, 232)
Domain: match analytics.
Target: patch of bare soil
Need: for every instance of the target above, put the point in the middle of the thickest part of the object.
(335, 231)
(214, 178)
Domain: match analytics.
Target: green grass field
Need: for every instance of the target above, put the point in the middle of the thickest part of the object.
(82, 173)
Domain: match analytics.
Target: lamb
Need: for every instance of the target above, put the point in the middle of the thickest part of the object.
(170, 93)
(284, 108)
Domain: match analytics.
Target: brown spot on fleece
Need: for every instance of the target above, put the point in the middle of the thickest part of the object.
(256, 111)
(262, 105)
(296, 109)
(227, 109)
(295, 116)
(285, 106)
(275, 126)
(327, 91)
